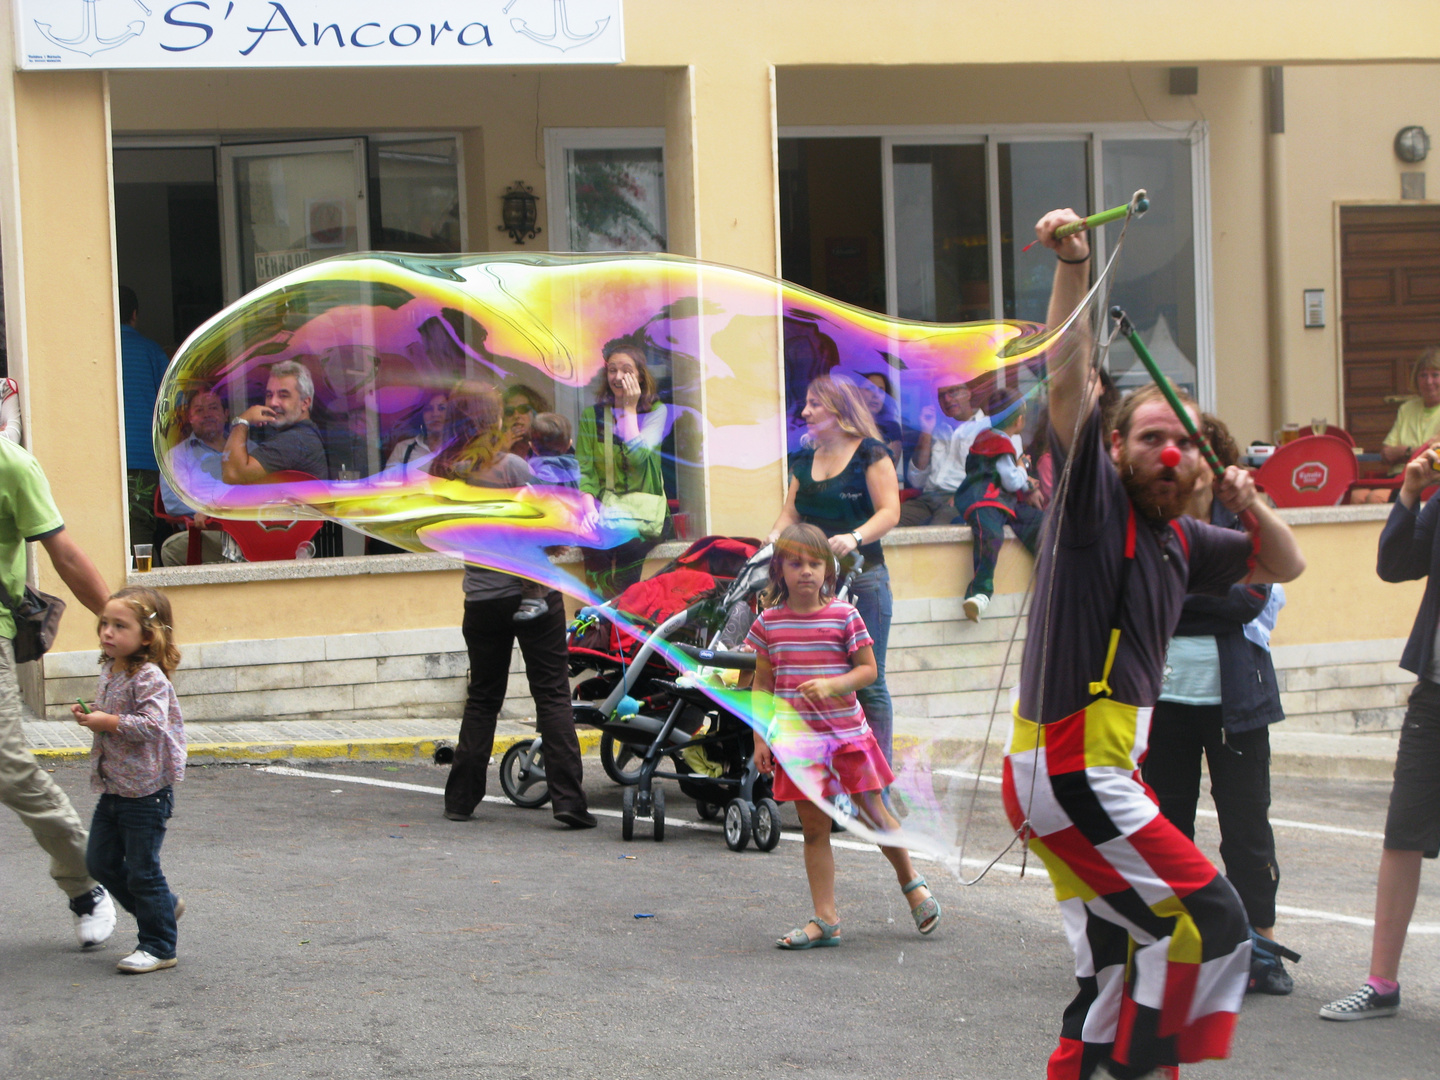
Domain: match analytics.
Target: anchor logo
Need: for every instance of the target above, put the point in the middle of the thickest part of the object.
(561, 31)
(90, 40)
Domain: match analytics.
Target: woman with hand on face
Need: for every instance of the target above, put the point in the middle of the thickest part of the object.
(618, 448)
(842, 479)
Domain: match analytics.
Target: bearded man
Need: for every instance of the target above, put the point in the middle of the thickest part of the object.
(1161, 940)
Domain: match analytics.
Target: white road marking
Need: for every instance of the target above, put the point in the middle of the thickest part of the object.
(847, 845)
(1279, 823)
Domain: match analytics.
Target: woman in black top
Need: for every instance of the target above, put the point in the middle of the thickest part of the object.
(843, 480)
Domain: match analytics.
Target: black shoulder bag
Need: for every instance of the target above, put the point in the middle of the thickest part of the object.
(37, 619)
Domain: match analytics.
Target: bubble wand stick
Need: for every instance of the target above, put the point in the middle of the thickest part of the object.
(1139, 203)
(1167, 389)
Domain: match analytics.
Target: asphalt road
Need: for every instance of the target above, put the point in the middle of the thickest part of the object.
(338, 929)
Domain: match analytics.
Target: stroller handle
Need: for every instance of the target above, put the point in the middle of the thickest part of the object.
(721, 658)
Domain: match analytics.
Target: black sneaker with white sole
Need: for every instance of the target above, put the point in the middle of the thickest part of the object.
(1367, 1003)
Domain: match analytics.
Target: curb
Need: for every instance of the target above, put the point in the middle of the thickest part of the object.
(318, 750)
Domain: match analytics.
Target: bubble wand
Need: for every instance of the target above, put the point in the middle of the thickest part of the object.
(1170, 456)
(1138, 204)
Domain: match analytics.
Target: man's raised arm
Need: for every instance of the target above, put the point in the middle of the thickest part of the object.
(1068, 363)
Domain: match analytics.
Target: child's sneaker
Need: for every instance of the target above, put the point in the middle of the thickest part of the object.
(530, 610)
(140, 961)
(975, 606)
(1365, 1004)
(94, 917)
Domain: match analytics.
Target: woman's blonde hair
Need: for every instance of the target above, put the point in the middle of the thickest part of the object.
(843, 401)
(473, 432)
(1429, 358)
(799, 540)
(157, 630)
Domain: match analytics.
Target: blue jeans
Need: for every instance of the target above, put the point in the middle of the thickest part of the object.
(870, 593)
(124, 856)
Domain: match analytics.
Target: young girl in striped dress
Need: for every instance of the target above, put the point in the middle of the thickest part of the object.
(813, 652)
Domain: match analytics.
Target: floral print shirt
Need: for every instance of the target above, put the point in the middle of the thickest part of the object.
(147, 751)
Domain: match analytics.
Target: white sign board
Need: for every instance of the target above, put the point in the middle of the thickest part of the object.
(120, 34)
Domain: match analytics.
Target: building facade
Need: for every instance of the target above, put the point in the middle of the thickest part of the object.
(891, 156)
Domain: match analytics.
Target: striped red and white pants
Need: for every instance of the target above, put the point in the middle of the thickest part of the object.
(1162, 945)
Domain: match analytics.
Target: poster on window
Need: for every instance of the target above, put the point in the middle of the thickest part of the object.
(121, 34)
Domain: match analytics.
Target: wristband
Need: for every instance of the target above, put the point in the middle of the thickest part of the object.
(1072, 262)
(859, 540)
(238, 421)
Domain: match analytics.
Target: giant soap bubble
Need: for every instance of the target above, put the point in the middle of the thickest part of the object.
(424, 368)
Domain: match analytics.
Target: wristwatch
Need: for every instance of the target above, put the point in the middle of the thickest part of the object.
(240, 420)
(859, 540)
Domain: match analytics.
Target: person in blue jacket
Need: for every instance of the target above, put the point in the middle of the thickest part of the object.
(142, 366)
(1218, 700)
(1409, 550)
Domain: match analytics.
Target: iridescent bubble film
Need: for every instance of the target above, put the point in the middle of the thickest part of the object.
(434, 379)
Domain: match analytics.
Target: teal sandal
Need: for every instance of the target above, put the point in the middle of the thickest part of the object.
(798, 939)
(926, 913)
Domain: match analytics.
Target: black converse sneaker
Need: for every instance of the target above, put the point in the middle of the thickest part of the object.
(1365, 1004)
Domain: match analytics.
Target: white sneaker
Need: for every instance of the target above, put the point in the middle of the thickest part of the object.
(94, 917)
(140, 961)
(975, 606)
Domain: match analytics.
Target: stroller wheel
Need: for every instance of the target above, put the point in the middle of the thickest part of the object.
(620, 760)
(708, 811)
(657, 813)
(627, 814)
(737, 824)
(522, 775)
(767, 825)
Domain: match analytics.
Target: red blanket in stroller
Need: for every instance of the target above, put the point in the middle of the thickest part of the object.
(661, 596)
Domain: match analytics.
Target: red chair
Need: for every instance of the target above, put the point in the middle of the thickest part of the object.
(1313, 470)
(273, 541)
(192, 551)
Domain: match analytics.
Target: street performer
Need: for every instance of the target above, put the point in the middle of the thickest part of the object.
(1161, 940)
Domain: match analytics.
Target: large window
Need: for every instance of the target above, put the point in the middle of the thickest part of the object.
(957, 205)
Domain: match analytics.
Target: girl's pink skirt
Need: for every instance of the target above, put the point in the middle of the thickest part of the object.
(833, 766)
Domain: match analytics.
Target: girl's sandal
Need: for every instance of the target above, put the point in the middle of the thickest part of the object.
(798, 939)
(926, 913)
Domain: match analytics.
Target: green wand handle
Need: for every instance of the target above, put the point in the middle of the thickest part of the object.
(1139, 203)
(1127, 328)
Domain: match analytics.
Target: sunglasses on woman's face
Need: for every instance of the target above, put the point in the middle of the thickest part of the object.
(521, 410)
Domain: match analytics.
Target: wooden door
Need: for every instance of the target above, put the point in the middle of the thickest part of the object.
(1390, 309)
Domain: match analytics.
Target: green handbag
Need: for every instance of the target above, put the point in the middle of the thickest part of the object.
(638, 511)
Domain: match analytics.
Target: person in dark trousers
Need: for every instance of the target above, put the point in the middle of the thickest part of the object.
(472, 453)
(1409, 550)
(142, 366)
(1218, 700)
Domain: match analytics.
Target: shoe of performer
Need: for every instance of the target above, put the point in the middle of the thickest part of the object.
(530, 610)
(179, 907)
(1367, 1003)
(975, 606)
(1267, 970)
(456, 815)
(1160, 1072)
(94, 917)
(140, 961)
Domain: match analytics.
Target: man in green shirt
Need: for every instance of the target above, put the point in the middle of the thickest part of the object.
(28, 513)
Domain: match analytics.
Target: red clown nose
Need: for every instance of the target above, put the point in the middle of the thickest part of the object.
(1170, 457)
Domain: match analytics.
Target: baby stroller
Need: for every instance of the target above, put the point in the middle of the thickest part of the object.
(624, 685)
(696, 722)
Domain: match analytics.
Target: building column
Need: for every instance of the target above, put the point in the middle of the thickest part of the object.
(64, 346)
(720, 165)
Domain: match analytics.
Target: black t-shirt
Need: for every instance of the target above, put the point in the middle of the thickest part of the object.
(841, 504)
(295, 446)
(1185, 556)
